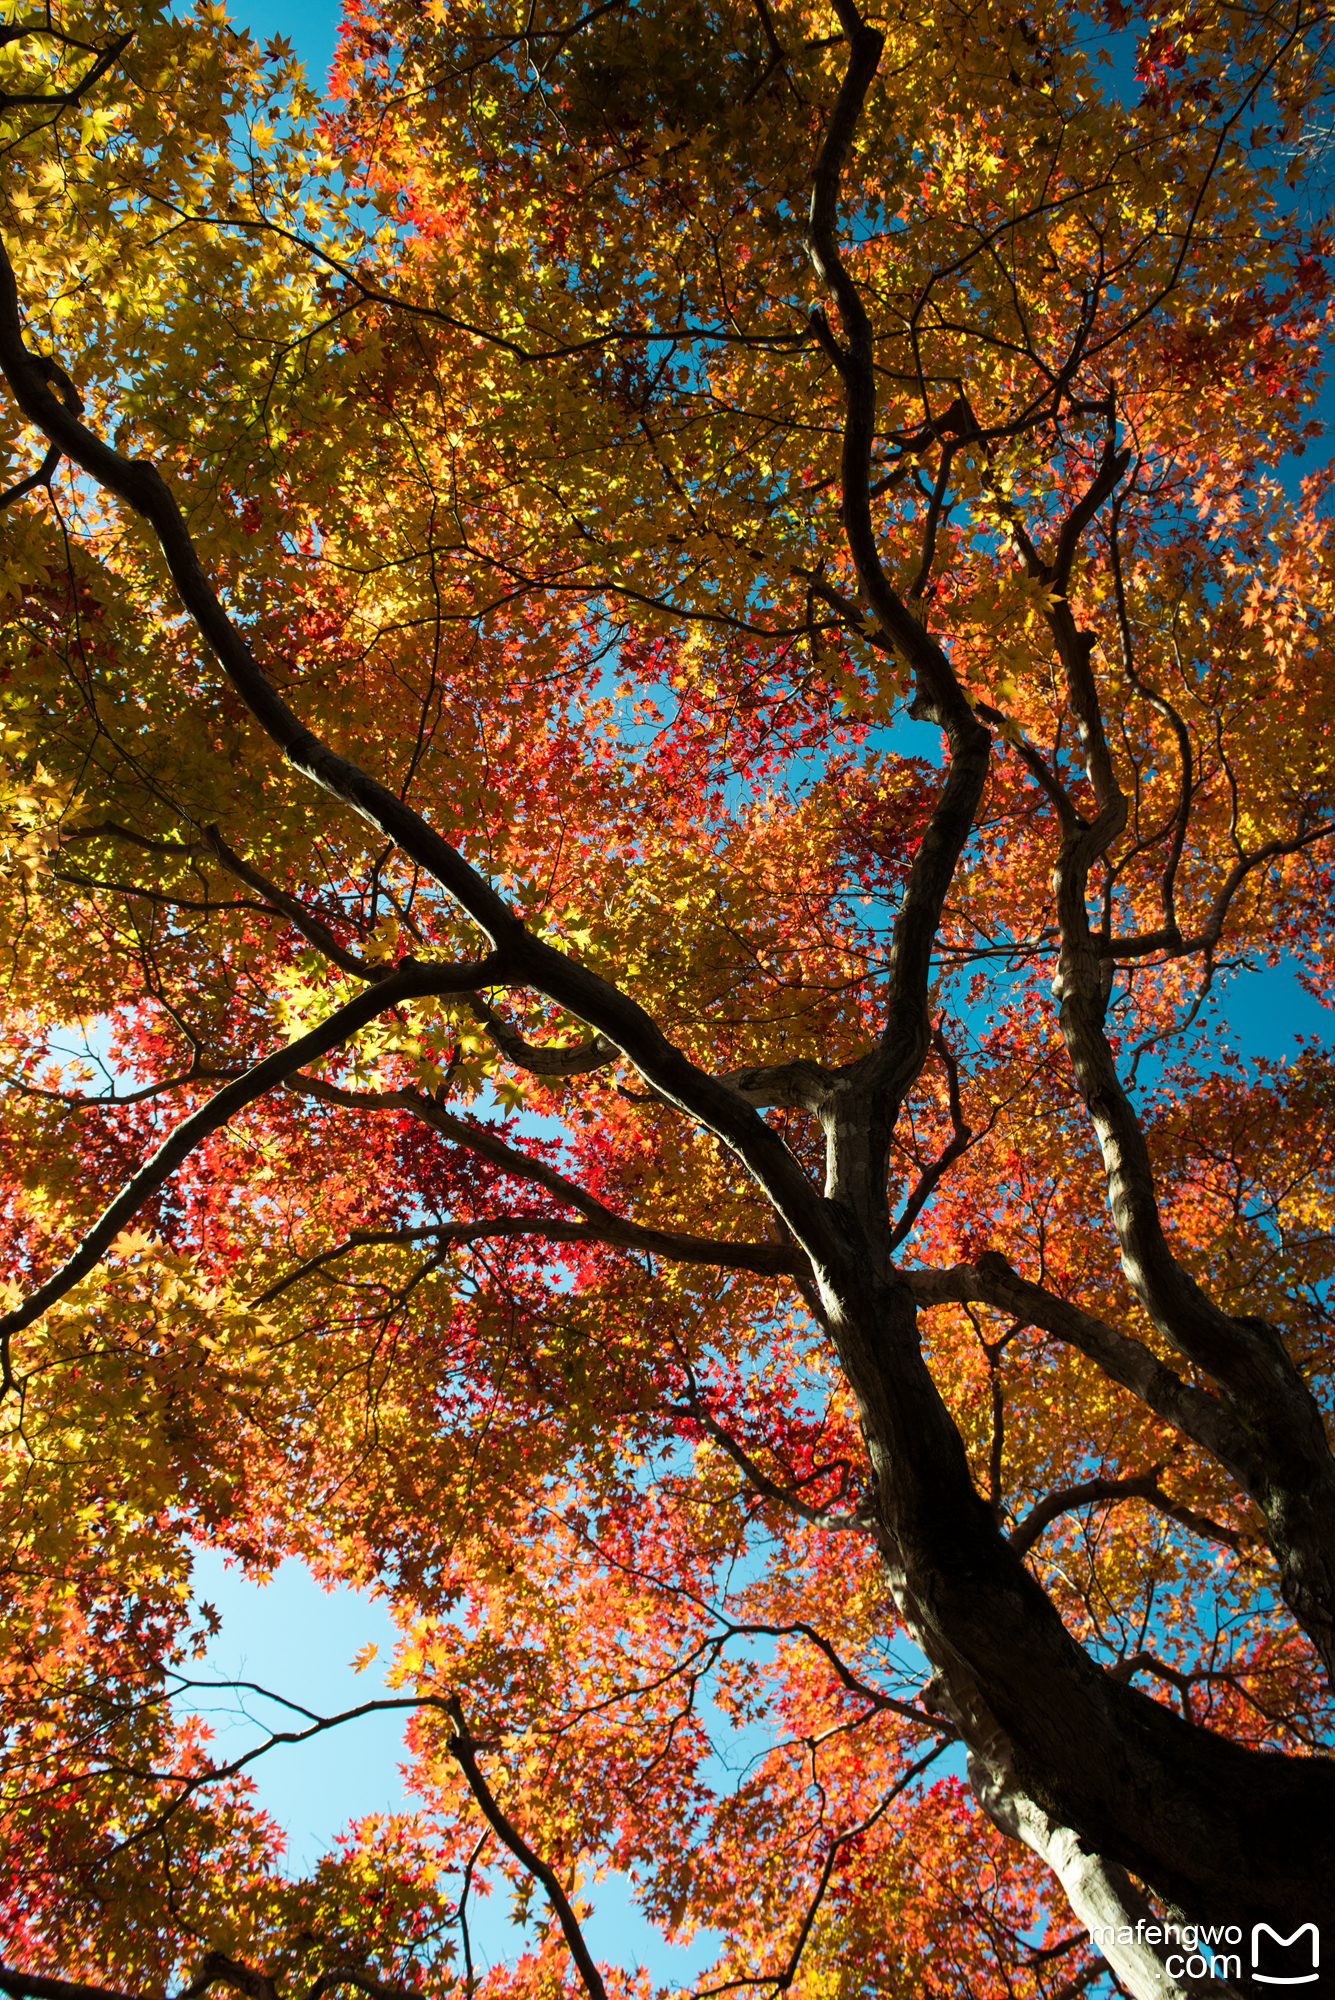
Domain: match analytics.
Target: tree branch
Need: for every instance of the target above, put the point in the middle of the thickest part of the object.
(1294, 1478)
(42, 477)
(857, 1167)
(991, 1281)
(819, 1517)
(604, 1225)
(782, 1981)
(216, 1969)
(312, 929)
(570, 1060)
(39, 1986)
(60, 100)
(959, 1142)
(530, 961)
(410, 980)
(1144, 1486)
(462, 1748)
(553, 1228)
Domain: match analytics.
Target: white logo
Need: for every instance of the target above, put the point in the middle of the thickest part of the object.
(1294, 1979)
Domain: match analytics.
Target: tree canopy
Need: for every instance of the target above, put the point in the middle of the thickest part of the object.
(657, 661)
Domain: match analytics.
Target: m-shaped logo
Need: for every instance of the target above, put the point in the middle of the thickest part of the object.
(1283, 1943)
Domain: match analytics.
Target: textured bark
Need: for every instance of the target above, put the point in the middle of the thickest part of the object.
(1224, 1833)
(1290, 1471)
(1100, 1893)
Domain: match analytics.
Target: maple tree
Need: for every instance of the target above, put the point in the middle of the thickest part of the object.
(657, 661)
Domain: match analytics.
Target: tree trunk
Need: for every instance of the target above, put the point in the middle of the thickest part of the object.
(1103, 1775)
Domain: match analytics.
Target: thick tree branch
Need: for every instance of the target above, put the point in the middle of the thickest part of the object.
(603, 1224)
(1018, 1682)
(858, 1144)
(1101, 1893)
(797, 1086)
(411, 980)
(530, 961)
(1292, 1472)
(1181, 734)
(1141, 1486)
(39, 1986)
(1170, 940)
(1293, 1478)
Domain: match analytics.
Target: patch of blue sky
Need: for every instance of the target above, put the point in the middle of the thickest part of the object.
(310, 25)
(298, 1640)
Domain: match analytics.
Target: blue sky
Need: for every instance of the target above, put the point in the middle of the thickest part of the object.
(298, 1640)
(310, 25)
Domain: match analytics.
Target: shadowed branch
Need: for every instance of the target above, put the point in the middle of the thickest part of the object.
(463, 1749)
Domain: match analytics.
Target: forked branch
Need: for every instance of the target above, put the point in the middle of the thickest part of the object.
(601, 1224)
(960, 1140)
(781, 1981)
(572, 1059)
(60, 100)
(858, 1171)
(530, 961)
(992, 1281)
(463, 1749)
